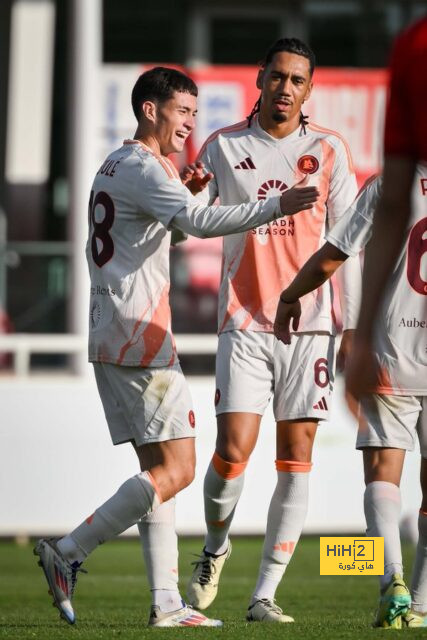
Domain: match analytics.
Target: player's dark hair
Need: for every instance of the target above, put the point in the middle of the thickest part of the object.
(158, 85)
(291, 45)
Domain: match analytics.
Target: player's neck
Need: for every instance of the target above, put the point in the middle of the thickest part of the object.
(278, 129)
(148, 139)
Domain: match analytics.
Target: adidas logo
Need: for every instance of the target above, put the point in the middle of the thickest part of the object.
(321, 404)
(247, 163)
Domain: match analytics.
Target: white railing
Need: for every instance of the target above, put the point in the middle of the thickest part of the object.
(23, 345)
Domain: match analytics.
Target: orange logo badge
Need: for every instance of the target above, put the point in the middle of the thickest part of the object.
(308, 164)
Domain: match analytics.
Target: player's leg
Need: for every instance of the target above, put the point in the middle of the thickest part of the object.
(142, 399)
(237, 436)
(383, 468)
(286, 515)
(387, 430)
(135, 498)
(417, 616)
(160, 549)
(156, 416)
(244, 381)
(303, 374)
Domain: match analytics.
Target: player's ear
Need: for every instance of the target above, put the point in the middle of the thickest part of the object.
(260, 79)
(149, 110)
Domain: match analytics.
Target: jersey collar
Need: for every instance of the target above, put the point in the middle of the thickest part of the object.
(261, 133)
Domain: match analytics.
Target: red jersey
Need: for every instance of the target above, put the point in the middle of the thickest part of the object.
(406, 121)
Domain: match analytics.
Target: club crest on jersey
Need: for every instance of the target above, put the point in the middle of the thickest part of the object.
(308, 164)
(95, 314)
(277, 187)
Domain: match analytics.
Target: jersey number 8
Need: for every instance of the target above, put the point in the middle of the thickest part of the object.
(100, 236)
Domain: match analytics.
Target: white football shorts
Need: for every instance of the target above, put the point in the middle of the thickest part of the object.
(145, 405)
(394, 422)
(251, 366)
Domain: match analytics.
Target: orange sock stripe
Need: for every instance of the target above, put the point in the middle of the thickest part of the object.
(423, 513)
(155, 486)
(228, 470)
(293, 466)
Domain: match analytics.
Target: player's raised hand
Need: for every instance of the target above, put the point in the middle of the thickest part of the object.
(286, 312)
(194, 177)
(299, 198)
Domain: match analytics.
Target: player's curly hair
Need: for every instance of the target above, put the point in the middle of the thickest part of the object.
(291, 45)
(158, 85)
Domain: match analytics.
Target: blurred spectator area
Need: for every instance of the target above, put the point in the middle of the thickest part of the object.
(220, 44)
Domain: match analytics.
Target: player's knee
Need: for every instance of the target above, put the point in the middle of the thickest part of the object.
(298, 452)
(228, 470)
(187, 476)
(231, 452)
(182, 475)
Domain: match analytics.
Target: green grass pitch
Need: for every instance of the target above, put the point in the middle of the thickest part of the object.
(112, 601)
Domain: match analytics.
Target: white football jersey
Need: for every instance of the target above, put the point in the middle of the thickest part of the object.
(401, 331)
(135, 197)
(128, 258)
(249, 164)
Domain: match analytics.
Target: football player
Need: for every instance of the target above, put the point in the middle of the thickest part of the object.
(394, 414)
(137, 197)
(274, 148)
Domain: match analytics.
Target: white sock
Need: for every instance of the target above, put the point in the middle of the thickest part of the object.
(222, 489)
(382, 512)
(134, 499)
(419, 574)
(160, 548)
(286, 516)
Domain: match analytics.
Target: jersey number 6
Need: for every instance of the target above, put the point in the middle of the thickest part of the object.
(321, 373)
(417, 247)
(100, 229)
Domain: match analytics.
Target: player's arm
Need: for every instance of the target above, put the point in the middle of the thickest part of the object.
(342, 192)
(390, 221)
(348, 237)
(218, 220)
(170, 202)
(388, 232)
(316, 271)
(200, 181)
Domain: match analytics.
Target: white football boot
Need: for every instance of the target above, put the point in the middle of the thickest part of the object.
(266, 611)
(184, 617)
(203, 585)
(61, 576)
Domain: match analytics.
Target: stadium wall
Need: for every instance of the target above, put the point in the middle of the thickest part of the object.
(57, 463)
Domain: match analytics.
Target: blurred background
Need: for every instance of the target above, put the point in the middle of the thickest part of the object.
(67, 68)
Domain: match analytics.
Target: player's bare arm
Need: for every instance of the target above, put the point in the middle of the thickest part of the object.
(317, 270)
(195, 178)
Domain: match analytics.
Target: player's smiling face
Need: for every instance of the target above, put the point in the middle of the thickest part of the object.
(285, 84)
(175, 120)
